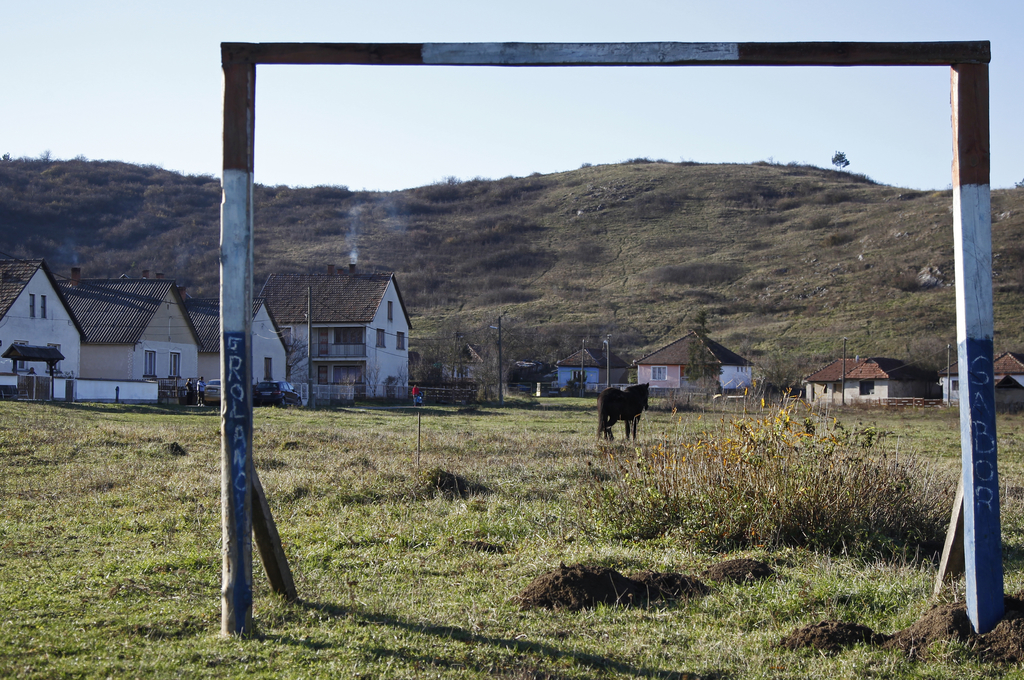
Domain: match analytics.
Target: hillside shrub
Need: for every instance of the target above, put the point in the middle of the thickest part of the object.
(696, 274)
(775, 479)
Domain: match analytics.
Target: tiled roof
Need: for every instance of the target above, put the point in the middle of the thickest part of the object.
(205, 316)
(874, 368)
(833, 372)
(116, 311)
(592, 358)
(1007, 363)
(341, 298)
(678, 353)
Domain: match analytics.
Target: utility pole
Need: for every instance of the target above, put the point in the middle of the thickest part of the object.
(310, 402)
(607, 363)
(583, 370)
(501, 394)
(949, 378)
(844, 372)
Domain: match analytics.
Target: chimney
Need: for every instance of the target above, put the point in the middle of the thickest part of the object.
(145, 273)
(330, 270)
(159, 275)
(351, 268)
(341, 271)
(181, 292)
(76, 276)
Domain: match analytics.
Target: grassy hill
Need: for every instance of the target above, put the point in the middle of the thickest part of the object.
(787, 259)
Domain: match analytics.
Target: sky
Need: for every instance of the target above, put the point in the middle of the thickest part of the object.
(141, 82)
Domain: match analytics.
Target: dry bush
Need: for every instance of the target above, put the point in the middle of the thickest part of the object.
(776, 480)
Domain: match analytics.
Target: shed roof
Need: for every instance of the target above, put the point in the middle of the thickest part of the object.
(33, 353)
(677, 353)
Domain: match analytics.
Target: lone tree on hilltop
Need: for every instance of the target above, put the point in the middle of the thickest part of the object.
(839, 160)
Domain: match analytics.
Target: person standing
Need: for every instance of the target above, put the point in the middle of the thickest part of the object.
(201, 388)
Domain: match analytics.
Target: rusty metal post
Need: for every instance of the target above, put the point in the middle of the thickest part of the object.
(972, 245)
(235, 351)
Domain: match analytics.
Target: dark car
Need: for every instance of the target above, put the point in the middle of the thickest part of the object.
(275, 393)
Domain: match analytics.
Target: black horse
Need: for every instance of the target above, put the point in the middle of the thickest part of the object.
(626, 405)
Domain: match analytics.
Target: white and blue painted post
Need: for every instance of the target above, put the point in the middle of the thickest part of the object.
(972, 233)
(236, 371)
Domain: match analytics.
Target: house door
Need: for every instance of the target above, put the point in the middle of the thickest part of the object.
(322, 334)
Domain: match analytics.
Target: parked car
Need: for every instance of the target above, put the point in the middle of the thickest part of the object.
(212, 393)
(275, 393)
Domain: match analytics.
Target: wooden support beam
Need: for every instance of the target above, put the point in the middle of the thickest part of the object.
(952, 563)
(264, 530)
(235, 351)
(972, 245)
(613, 54)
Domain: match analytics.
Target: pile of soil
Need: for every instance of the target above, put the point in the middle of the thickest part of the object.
(832, 636)
(581, 586)
(449, 484)
(484, 546)
(738, 571)
(949, 622)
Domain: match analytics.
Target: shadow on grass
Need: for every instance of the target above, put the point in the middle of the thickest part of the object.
(462, 635)
(144, 409)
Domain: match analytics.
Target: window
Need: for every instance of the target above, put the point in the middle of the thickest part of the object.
(42, 306)
(19, 365)
(150, 363)
(867, 387)
(659, 372)
(31, 306)
(391, 310)
(400, 340)
(380, 338)
(174, 368)
(956, 385)
(347, 375)
(268, 368)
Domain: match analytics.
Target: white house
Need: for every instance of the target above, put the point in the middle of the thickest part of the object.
(359, 339)
(33, 311)
(665, 368)
(1005, 365)
(268, 351)
(134, 329)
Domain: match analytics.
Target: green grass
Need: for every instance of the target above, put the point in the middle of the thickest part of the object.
(110, 552)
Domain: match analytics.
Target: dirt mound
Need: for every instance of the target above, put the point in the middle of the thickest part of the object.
(449, 484)
(742, 570)
(578, 587)
(941, 622)
(669, 586)
(165, 449)
(832, 636)
(484, 546)
(581, 586)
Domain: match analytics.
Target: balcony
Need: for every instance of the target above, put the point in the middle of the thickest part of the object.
(329, 351)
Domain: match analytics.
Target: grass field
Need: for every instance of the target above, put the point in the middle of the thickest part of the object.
(110, 551)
